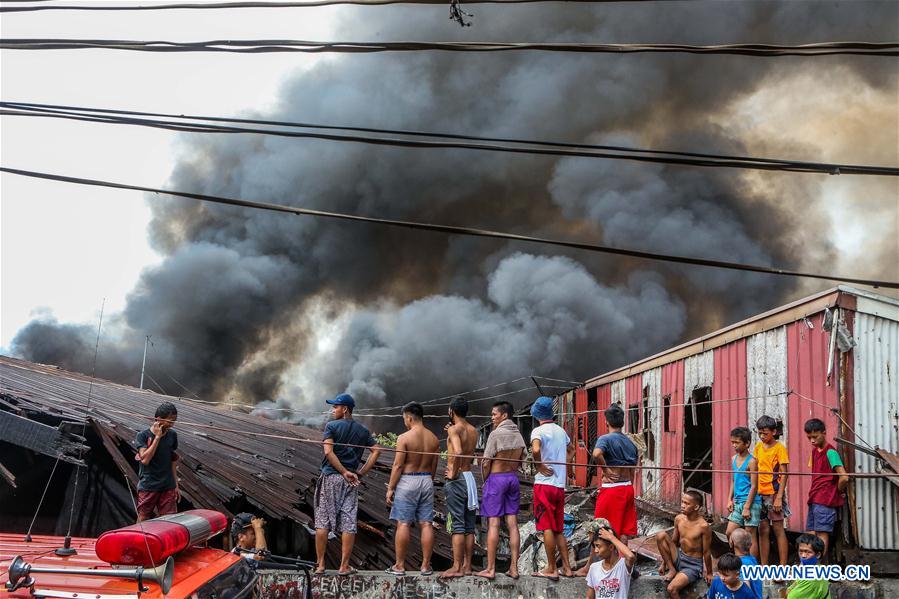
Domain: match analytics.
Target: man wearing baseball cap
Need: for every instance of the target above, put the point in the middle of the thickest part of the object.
(336, 493)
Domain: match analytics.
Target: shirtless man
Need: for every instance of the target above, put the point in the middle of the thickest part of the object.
(410, 490)
(460, 488)
(688, 551)
(502, 495)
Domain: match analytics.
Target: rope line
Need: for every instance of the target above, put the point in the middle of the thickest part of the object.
(461, 456)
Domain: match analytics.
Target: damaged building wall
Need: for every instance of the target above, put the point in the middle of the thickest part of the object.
(876, 386)
(728, 386)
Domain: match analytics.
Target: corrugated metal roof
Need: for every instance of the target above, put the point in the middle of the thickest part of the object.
(277, 476)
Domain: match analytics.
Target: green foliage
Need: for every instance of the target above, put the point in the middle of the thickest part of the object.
(387, 439)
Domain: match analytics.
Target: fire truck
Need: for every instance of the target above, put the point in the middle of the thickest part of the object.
(162, 557)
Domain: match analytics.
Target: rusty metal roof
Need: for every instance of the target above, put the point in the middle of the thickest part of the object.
(221, 463)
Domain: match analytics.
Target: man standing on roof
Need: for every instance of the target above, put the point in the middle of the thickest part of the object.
(336, 493)
(460, 489)
(157, 485)
(553, 454)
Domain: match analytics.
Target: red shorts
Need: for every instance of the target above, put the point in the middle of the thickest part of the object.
(616, 504)
(549, 507)
(161, 502)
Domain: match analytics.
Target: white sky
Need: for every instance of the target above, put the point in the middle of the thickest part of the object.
(64, 248)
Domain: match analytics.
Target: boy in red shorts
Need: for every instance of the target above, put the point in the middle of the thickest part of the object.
(552, 449)
(617, 456)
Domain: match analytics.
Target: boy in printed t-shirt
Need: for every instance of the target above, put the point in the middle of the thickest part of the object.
(727, 585)
(826, 493)
(610, 576)
(772, 463)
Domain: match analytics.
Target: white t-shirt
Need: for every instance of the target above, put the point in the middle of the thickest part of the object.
(610, 584)
(553, 448)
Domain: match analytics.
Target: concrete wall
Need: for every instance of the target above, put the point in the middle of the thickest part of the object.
(378, 585)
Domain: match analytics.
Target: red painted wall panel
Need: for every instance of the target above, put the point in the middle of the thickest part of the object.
(729, 383)
(807, 351)
(581, 441)
(673, 439)
(633, 393)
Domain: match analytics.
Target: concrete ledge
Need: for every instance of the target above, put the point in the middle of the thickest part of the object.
(277, 584)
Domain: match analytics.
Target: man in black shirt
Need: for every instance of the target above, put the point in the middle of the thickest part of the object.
(157, 487)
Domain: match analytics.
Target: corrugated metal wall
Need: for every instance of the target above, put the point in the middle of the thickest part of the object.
(876, 384)
(618, 394)
(807, 351)
(729, 383)
(766, 358)
(652, 381)
(672, 440)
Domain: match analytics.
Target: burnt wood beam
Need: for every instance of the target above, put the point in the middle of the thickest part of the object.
(54, 442)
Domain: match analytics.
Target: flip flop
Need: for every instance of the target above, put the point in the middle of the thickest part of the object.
(390, 570)
(486, 577)
(348, 572)
(428, 572)
(510, 576)
(539, 574)
(572, 575)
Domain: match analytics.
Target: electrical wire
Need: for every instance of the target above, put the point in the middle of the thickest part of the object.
(262, 4)
(545, 148)
(455, 230)
(315, 47)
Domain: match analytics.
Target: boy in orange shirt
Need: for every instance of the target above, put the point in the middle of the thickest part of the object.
(772, 460)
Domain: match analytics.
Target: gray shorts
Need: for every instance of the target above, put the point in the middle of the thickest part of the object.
(413, 498)
(691, 566)
(336, 504)
(456, 492)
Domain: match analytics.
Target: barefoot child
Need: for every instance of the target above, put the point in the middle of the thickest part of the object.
(810, 549)
(727, 585)
(687, 553)
(745, 505)
(772, 463)
(610, 576)
(826, 493)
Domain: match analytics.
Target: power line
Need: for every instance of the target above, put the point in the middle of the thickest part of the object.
(545, 148)
(267, 46)
(309, 4)
(457, 230)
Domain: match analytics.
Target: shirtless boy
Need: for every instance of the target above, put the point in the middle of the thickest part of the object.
(460, 488)
(688, 552)
(410, 490)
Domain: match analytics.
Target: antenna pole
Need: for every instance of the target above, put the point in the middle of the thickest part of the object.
(143, 365)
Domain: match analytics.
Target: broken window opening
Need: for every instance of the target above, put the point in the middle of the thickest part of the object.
(698, 440)
(666, 413)
(633, 419)
(648, 437)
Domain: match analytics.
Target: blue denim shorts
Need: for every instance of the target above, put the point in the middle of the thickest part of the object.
(820, 518)
(413, 499)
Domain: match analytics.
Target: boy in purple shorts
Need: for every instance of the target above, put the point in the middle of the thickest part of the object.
(501, 495)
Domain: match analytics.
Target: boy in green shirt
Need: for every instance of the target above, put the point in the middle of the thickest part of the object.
(810, 549)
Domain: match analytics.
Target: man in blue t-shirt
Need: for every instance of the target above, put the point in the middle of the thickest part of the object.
(336, 494)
